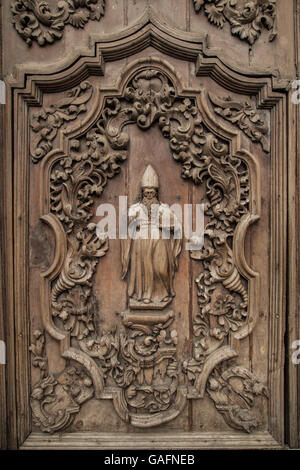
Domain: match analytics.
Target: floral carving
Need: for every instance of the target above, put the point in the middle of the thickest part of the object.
(139, 358)
(246, 18)
(46, 122)
(35, 21)
(245, 116)
(55, 401)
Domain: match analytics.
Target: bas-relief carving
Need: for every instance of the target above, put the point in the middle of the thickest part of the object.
(233, 393)
(56, 401)
(150, 260)
(35, 20)
(137, 364)
(245, 116)
(246, 18)
(46, 122)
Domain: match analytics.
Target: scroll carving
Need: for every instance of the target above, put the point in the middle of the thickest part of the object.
(148, 381)
(46, 122)
(245, 116)
(34, 20)
(246, 19)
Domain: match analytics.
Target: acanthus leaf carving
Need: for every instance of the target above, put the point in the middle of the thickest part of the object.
(46, 122)
(246, 18)
(35, 21)
(245, 116)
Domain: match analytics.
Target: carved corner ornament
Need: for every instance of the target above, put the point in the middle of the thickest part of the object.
(34, 20)
(46, 122)
(137, 363)
(244, 116)
(233, 393)
(246, 18)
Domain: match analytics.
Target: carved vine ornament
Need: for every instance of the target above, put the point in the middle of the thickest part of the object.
(35, 20)
(137, 362)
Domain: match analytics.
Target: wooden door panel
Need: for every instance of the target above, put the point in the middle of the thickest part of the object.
(118, 340)
(151, 358)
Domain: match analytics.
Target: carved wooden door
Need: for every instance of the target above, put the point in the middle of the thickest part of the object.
(174, 340)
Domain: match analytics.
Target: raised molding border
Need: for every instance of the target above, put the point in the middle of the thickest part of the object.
(193, 440)
(7, 376)
(293, 323)
(3, 398)
(271, 94)
(150, 30)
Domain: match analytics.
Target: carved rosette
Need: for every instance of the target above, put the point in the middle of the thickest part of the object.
(246, 18)
(34, 20)
(148, 380)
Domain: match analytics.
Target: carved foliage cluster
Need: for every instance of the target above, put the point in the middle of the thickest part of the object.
(141, 358)
(222, 291)
(246, 18)
(46, 122)
(245, 116)
(55, 401)
(35, 20)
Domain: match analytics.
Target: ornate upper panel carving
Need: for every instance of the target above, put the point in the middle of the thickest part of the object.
(36, 21)
(246, 18)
